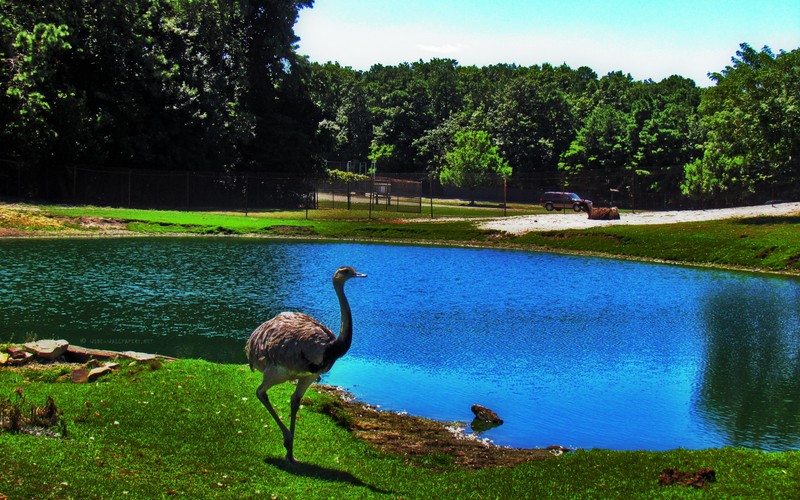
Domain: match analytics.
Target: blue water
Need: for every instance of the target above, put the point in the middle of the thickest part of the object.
(576, 351)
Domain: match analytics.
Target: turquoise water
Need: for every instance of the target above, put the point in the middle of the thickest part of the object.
(575, 351)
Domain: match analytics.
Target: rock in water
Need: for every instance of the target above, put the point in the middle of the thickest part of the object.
(486, 415)
(48, 349)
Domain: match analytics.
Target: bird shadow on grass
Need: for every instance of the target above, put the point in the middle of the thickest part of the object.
(318, 472)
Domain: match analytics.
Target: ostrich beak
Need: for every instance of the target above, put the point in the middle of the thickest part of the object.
(359, 275)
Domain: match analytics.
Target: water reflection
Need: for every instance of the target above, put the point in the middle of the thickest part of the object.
(750, 388)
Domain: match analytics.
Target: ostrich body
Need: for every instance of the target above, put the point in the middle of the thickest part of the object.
(295, 346)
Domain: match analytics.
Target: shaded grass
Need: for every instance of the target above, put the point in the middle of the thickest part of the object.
(196, 429)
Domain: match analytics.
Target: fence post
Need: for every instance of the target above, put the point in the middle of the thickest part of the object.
(371, 191)
(246, 194)
(74, 183)
(430, 180)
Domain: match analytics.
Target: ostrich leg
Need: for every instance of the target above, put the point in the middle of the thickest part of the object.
(261, 393)
(302, 386)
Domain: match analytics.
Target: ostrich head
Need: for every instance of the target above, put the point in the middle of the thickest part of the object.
(345, 273)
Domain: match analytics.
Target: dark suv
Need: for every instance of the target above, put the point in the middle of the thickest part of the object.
(558, 200)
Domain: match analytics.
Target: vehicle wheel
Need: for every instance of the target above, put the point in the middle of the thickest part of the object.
(549, 207)
(577, 207)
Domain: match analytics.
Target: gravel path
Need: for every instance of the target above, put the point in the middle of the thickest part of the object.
(557, 221)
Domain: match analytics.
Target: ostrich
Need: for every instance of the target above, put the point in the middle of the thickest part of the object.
(295, 346)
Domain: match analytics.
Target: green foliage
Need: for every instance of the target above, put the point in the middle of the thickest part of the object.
(751, 119)
(474, 161)
(218, 86)
(163, 85)
(342, 176)
(558, 124)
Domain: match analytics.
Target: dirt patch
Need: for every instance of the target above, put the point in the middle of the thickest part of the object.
(701, 478)
(288, 230)
(766, 253)
(422, 441)
(102, 223)
(6, 232)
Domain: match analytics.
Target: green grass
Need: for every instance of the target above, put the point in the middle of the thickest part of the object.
(766, 243)
(196, 429)
(329, 224)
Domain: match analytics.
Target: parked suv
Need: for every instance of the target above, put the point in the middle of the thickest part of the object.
(559, 200)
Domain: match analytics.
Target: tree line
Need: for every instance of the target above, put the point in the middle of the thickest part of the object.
(737, 141)
(219, 87)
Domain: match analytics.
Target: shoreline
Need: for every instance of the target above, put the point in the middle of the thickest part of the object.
(410, 436)
(489, 245)
(107, 227)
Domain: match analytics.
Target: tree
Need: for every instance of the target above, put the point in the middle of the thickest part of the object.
(600, 154)
(533, 123)
(174, 84)
(752, 122)
(286, 119)
(346, 126)
(474, 161)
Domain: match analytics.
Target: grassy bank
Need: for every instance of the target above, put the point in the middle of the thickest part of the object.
(763, 243)
(196, 429)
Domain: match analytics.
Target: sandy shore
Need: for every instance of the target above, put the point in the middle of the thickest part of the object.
(556, 221)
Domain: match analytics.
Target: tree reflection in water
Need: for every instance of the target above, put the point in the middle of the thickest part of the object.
(750, 387)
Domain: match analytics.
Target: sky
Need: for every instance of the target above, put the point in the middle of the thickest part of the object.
(647, 39)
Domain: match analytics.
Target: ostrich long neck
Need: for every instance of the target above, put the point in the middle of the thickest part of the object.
(340, 346)
(346, 331)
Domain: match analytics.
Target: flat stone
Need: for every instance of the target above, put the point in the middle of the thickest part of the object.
(138, 356)
(96, 373)
(80, 376)
(78, 354)
(20, 359)
(17, 352)
(47, 349)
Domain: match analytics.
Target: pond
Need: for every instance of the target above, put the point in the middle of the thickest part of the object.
(576, 351)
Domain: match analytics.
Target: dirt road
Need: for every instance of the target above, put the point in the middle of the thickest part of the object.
(556, 221)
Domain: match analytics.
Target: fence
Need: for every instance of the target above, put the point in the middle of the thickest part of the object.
(139, 188)
(256, 190)
(156, 189)
(376, 193)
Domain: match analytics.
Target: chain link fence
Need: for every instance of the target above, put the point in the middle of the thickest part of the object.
(375, 193)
